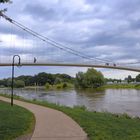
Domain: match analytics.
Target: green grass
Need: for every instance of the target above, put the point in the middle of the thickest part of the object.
(100, 126)
(14, 121)
(125, 86)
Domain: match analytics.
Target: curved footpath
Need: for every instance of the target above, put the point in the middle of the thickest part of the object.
(51, 124)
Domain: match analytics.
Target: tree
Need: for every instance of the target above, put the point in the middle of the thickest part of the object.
(91, 79)
(129, 79)
(138, 78)
(19, 84)
(80, 79)
(5, 1)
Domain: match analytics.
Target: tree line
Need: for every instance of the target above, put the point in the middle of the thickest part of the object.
(37, 80)
(90, 79)
(128, 79)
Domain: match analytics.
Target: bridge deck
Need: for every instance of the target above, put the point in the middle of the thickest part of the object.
(75, 65)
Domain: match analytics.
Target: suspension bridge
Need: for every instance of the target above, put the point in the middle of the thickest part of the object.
(38, 50)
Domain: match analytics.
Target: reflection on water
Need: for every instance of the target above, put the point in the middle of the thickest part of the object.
(111, 100)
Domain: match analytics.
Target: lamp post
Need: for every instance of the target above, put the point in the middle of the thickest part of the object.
(12, 84)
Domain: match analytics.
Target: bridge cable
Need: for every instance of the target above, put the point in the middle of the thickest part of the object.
(50, 41)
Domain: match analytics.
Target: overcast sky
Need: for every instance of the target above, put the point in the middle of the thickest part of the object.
(105, 29)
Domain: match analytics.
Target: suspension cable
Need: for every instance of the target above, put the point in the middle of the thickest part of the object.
(50, 41)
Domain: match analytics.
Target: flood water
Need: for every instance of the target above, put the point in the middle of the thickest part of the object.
(111, 100)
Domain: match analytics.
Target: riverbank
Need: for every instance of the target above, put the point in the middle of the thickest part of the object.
(100, 125)
(121, 86)
(15, 121)
(71, 86)
(63, 86)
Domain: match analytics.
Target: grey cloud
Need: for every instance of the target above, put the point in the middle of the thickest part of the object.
(111, 32)
(39, 12)
(135, 24)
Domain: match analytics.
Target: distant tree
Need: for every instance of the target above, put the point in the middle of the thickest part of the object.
(129, 79)
(29, 80)
(8, 82)
(47, 85)
(3, 83)
(5, 1)
(80, 80)
(138, 78)
(43, 78)
(2, 2)
(57, 80)
(91, 79)
(65, 85)
(19, 84)
(40, 79)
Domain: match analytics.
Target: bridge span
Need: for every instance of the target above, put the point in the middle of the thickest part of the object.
(75, 65)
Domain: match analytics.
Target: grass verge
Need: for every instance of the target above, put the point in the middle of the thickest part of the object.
(122, 86)
(100, 126)
(14, 121)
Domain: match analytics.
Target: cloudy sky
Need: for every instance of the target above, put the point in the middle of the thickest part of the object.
(102, 29)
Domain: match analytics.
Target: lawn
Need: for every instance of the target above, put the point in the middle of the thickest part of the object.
(14, 121)
(99, 126)
(102, 126)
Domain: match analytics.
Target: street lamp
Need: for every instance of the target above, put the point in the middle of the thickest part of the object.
(12, 84)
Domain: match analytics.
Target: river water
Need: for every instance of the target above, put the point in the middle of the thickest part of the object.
(111, 100)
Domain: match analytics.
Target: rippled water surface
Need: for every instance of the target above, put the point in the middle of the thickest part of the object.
(111, 100)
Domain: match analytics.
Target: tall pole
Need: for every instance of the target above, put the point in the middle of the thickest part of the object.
(12, 84)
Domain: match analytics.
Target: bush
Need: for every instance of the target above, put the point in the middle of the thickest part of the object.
(19, 84)
(47, 85)
(65, 85)
(58, 86)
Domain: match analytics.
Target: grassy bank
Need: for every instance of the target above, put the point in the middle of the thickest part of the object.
(125, 86)
(100, 126)
(14, 121)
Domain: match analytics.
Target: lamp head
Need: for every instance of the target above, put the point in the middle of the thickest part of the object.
(19, 61)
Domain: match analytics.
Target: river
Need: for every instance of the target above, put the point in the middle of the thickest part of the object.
(111, 100)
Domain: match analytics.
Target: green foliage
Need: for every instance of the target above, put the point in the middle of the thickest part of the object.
(58, 86)
(14, 121)
(19, 84)
(100, 126)
(40, 79)
(122, 86)
(138, 78)
(113, 80)
(4, 1)
(61, 86)
(90, 79)
(47, 86)
(65, 85)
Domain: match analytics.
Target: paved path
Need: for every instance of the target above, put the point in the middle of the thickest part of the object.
(52, 124)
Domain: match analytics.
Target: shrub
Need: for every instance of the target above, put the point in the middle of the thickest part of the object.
(65, 85)
(47, 85)
(58, 86)
(19, 84)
